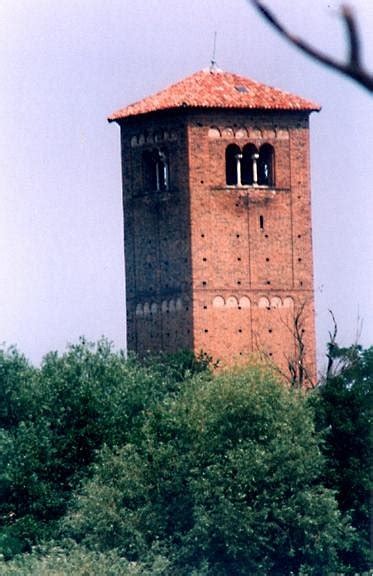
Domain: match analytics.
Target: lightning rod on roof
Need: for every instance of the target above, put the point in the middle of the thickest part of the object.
(213, 66)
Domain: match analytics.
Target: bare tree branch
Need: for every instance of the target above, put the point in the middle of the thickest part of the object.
(353, 67)
(297, 364)
(353, 35)
(331, 346)
(297, 374)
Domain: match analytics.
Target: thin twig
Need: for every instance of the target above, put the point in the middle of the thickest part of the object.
(331, 346)
(353, 67)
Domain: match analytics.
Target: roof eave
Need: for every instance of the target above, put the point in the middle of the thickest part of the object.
(305, 109)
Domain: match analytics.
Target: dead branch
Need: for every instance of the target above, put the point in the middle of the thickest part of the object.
(297, 374)
(297, 365)
(353, 67)
(331, 346)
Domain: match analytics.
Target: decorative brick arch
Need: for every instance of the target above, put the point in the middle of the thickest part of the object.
(218, 302)
(232, 302)
(245, 302)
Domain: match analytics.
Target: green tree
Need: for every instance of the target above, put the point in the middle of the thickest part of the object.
(54, 419)
(225, 480)
(344, 405)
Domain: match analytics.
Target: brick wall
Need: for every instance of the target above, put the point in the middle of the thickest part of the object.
(214, 267)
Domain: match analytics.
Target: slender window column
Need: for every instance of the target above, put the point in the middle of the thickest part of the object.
(157, 176)
(164, 169)
(255, 158)
(238, 165)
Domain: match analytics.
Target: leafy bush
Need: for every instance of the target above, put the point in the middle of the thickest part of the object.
(225, 478)
(54, 419)
(343, 406)
(73, 560)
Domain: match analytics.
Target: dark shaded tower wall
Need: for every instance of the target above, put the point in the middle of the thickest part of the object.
(157, 233)
(251, 245)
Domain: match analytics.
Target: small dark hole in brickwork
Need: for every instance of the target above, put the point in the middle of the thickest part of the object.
(301, 283)
(267, 259)
(270, 354)
(237, 235)
(205, 307)
(299, 197)
(204, 259)
(268, 282)
(299, 259)
(186, 307)
(270, 330)
(239, 307)
(204, 283)
(188, 331)
(238, 282)
(265, 235)
(299, 236)
(202, 182)
(167, 333)
(303, 330)
(241, 353)
(206, 330)
(202, 235)
(149, 241)
(239, 259)
(240, 330)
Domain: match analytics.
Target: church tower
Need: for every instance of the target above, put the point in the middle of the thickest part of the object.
(217, 221)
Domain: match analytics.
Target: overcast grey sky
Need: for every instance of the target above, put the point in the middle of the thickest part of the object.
(67, 64)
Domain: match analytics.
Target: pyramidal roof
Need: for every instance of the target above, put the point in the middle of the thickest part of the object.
(213, 88)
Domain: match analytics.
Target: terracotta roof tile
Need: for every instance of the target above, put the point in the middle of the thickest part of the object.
(216, 89)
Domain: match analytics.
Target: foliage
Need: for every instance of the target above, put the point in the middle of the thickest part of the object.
(344, 404)
(225, 480)
(73, 560)
(54, 419)
(161, 467)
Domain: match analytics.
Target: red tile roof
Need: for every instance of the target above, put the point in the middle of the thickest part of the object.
(216, 89)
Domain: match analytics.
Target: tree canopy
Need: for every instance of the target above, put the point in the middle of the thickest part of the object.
(166, 467)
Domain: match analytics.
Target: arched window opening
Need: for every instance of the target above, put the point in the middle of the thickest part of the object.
(155, 170)
(249, 167)
(233, 165)
(266, 166)
(248, 170)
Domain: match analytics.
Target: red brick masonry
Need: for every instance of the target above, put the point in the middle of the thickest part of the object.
(214, 267)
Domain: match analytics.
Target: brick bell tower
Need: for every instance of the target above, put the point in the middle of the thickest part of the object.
(217, 221)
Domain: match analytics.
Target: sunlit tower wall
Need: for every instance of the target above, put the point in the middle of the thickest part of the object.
(217, 221)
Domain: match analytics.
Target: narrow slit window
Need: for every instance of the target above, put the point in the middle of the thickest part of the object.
(261, 222)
